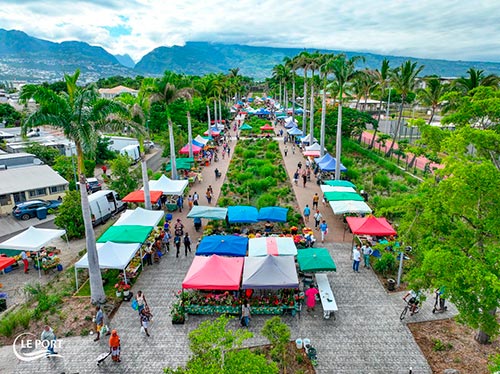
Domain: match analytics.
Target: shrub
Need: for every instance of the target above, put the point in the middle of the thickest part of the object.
(386, 264)
(439, 346)
(266, 200)
(381, 179)
(249, 154)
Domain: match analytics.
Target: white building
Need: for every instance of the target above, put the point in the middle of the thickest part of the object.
(110, 93)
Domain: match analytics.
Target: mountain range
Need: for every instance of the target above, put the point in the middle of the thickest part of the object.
(23, 57)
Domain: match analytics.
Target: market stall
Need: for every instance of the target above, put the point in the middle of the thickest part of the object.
(342, 196)
(272, 245)
(139, 217)
(370, 225)
(312, 260)
(168, 186)
(273, 214)
(34, 240)
(327, 188)
(242, 214)
(214, 273)
(138, 196)
(349, 206)
(126, 234)
(223, 245)
(5, 262)
(339, 183)
(208, 212)
(112, 256)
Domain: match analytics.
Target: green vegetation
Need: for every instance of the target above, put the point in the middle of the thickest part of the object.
(278, 334)
(45, 153)
(69, 216)
(123, 179)
(110, 277)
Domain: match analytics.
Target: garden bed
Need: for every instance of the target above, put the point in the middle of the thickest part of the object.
(297, 361)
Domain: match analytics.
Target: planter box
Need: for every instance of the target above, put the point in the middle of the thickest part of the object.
(212, 309)
(268, 310)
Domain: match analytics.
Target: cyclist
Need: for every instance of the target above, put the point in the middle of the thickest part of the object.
(413, 301)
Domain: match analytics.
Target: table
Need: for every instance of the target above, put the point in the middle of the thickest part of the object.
(326, 296)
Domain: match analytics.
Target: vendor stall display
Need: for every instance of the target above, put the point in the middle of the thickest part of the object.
(342, 196)
(272, 245)
(370, 225)
(312, 260)
(242, 214)
(139, 217)
(349, 206)
(168, 186)
(269, 272)
(223, 245)
(273, 214)
(5, 262)
(138, 196)
(214, 273)
(208, 212)
(126, 234)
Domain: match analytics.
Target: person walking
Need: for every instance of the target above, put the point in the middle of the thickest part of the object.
(99, 322)
(187, 244)
(190, 201)
(317, 219)
(304, 178)
(315, 201)
(311, 297)
(180, 202)
(367, 251)
(145, 317)
(285, 150)
(208, 194)
(177, 242)
(48, 338)
(24, 257)
(296, 177)
(114, 346)
(323, 227)
(356, 257)
(196, 197)
(245, 314)
(307, 213)
(141, 301)
(165, 241)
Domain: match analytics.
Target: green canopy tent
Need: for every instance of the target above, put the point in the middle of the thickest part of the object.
(246, 126)
(339, 183)
(181, 164)
(126, 234)
(342, 196)
(312, 260)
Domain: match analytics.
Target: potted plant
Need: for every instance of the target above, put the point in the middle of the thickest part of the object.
(126, 289)
(178, 313)
(118, 289)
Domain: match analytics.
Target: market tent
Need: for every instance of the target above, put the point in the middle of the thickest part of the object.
(314, 147)
(242, 214)
(181, 164)
(267, 127)
(273, 214)
(208, 212)
(111, 256)
(272, 245)
(185, 150)
(223, 245)
(330, 165)
(270, 272)
(215, 132)
(5, 262)
(140, 217)
(201, 140)
(198, 144)
(214, 273)
(312, 260)
(169, 186)
(349, 206)
(326, 157)
(138, 196)
(311, 153)
(126, 234)
(370, 226)
(327, 188)
(341, 196)
(295, 131)
(339, 183)
(291, 124)
(307, 139)
(246, 127)
(32, 239)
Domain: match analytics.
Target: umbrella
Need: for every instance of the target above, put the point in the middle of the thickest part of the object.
(312, 260)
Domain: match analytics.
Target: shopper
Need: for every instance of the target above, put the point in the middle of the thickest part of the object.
(187, 244)
(114, 346)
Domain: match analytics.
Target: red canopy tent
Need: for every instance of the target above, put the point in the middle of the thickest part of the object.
(138, 196)
(267, 127)
(312, 153)
(370, 225)
(5, 262)
(214, 133)
(214, 273)
(185, 150)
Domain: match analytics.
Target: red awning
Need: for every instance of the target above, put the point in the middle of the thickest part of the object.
(5, 262)
(312, 153)
(138, 196)
(370, 225)
(185, 150)
(267, 127)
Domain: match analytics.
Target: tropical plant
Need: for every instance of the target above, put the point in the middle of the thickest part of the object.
(324, 69)
(69, 215)
(80, 113)
(382, 80)
(476, 78)
(431, 95)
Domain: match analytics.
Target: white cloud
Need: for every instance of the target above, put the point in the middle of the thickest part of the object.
(453, 29)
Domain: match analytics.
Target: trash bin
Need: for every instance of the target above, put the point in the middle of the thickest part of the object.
(41, 213)
(391, 284)
(298, 343)
(3, 305)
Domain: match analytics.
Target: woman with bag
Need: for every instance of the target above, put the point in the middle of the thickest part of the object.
(114, 346)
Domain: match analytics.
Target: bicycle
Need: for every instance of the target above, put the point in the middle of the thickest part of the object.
(406, 308)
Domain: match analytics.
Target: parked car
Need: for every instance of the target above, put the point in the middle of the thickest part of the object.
(149, 144)
(93, 185)
(27, 209)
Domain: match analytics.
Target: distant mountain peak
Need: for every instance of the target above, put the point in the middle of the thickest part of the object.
(125, 60)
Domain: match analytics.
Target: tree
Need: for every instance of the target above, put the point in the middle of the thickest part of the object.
(69, 216)
(278, 334)
(45, 153)
(123, 180)
(453, 227)
(382, 79)
(353, 121)
(404, 79)
(80, 113)
(432, 93)
(475, 79)
(103, 153)
(344, 70)
(324, 68)
(8, 114)
(66, 167)
(303, 61)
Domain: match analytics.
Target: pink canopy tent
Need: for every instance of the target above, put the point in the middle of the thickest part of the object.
(214, 133)
(185, 150)
(214, 273)
(370, 225)
(312, 153)
(267, 127)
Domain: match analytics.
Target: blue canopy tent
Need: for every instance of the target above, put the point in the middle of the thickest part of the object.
(273, 214)
(326, 157)
(331, 165)
(223, 245)
(262, 111)
(295, 131)
(242, 214)
(197, 143)
(290, 125)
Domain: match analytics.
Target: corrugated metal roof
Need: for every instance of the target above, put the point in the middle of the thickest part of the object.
(29, 178)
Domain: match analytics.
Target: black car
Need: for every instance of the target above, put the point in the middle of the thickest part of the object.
(93, 185)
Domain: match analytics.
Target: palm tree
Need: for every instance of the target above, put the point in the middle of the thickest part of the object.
(475, 79)
(278, 76)
(313, 65)
(303, 61)
(404, 80)
(293, 64)
(431, 95)
(382, 78)
(80, 114)
(344, 70)
(324, 69)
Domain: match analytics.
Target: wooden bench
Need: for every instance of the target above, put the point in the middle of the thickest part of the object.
(326, 296)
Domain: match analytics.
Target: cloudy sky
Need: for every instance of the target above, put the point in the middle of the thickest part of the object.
(449, 29)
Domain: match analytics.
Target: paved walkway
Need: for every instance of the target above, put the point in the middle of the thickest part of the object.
(366, 337)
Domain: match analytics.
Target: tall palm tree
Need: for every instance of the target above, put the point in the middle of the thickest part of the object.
(382, 78)
(404, 80)
(344, 70)
(304, 59)
(80, 114)
(293, 64)
(313, 65)
(279, 76)
(475, 79)
(324, 69)
(432, 93)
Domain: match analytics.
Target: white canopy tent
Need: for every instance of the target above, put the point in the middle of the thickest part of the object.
(111, 256)
(168, 186)
(350, 206)
(140, 217)
(32, 240)
(314, 147)
(201, 140)
(307, 139)
(327, 188)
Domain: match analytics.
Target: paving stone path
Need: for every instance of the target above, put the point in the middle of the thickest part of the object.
(365, 337)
